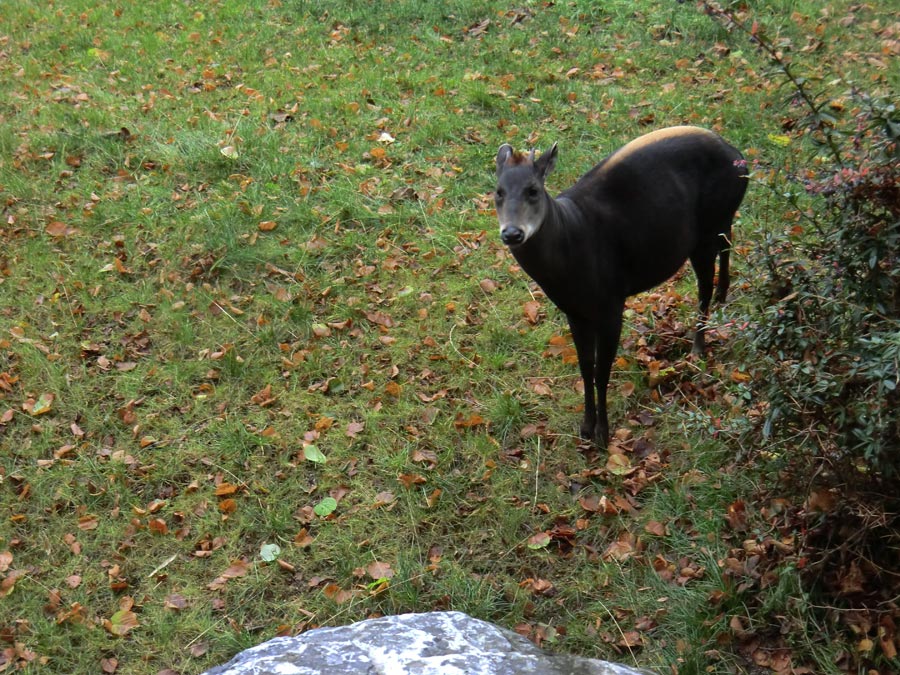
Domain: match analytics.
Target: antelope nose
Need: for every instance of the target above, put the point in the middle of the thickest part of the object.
(511, 235)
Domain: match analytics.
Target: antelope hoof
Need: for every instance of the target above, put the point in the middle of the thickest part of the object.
(595, 432)
(587, 430)
(699, 348)
(601, 436)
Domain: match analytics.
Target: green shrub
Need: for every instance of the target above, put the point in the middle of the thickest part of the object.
(826, 338)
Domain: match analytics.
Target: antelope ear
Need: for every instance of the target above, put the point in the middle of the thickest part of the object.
(503, 156)
(546, 162)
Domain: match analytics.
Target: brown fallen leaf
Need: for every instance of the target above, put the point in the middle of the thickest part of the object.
(655, 528)
(237, 569)
(303, 538)
(175, 601)
(379, 570)
(88, 522)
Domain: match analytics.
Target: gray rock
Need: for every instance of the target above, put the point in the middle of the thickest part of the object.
(435, 643)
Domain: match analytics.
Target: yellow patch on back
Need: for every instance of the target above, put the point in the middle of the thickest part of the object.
(649, 139)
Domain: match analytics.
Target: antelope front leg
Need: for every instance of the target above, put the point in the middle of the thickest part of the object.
(586, 346)
(606, 338)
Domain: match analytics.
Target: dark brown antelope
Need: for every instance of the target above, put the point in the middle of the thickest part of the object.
(626, 226)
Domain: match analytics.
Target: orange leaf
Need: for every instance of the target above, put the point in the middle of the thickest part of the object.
(336, 593)
(263, 397)
(324, 423)
(431, 499)
(303, 539)
(158, 526)
(228, 506)
(738, 376)
(225, 489)
(9, 582)
(410, 479)
(531, 309)
(473, 420)
(538, 586)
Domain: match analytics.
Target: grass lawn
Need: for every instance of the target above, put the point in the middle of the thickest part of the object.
(266, 366)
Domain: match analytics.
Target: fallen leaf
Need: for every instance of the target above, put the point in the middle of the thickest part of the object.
(488, 285)
(411, 479)
(39, 407)
(336, 593)
(313, 454)
(198, 649)
(379, 570)
(227, 506)
(621, 549)
(619, 465)
(175, 601)
(381, 499)
(539, 540)
(303, 538)
(354, 429)
(237, 569)
(531, 310)
(121, 623)
(537, 586)
(325, 507)
(158, 526)
(88, 522)
(432, 498)
(9, 582)
(58, 229)
(655, 528)
(473, 420)
(269, 552)
(225, 489)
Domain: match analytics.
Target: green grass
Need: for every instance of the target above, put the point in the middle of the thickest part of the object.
(189, 348)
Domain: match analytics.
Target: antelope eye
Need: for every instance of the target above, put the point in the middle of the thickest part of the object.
(499, 193)
(531, 192)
